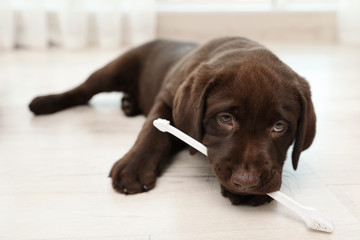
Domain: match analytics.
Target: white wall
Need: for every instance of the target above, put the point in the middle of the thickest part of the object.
(349, 21)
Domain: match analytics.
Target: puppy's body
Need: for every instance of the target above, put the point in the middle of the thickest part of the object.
(232, 94)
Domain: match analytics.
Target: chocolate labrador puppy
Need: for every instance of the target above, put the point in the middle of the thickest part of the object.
(232, 94)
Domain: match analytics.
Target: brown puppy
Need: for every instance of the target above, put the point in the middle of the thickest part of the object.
(232, 94)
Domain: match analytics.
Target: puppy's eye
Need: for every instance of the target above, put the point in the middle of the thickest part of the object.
(225, 118)
(279, 126)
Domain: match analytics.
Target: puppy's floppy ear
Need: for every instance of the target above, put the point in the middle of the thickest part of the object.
(307, 122)
(189, 102)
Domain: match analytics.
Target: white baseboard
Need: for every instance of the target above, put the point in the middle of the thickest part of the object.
(261, 26)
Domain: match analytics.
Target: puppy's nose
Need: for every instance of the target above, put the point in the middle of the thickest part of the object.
(245, 179)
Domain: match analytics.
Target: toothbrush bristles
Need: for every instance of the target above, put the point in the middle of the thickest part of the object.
(317, 222)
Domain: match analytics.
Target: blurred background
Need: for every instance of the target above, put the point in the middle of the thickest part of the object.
(111, 24)
(53, 169)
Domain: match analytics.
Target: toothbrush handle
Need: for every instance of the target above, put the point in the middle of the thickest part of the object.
(163, 125)
(187, 139)
(288, 202)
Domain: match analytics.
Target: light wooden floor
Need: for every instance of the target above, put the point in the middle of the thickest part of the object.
(53, 169)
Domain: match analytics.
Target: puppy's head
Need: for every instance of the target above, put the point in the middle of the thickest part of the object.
(247, 113)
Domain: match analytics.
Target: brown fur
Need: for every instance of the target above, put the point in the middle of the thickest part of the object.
(228, 93)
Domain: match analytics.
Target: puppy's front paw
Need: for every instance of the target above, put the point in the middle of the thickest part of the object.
(252, 200)
(133, 175)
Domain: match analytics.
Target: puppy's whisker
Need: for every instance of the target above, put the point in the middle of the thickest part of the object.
(289, 181)
(211, 180)
(285, 185)
(290, 178)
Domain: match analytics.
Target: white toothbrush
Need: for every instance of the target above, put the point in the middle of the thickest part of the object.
(312, 217)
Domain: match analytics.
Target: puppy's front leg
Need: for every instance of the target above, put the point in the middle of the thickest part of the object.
(138, 169)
